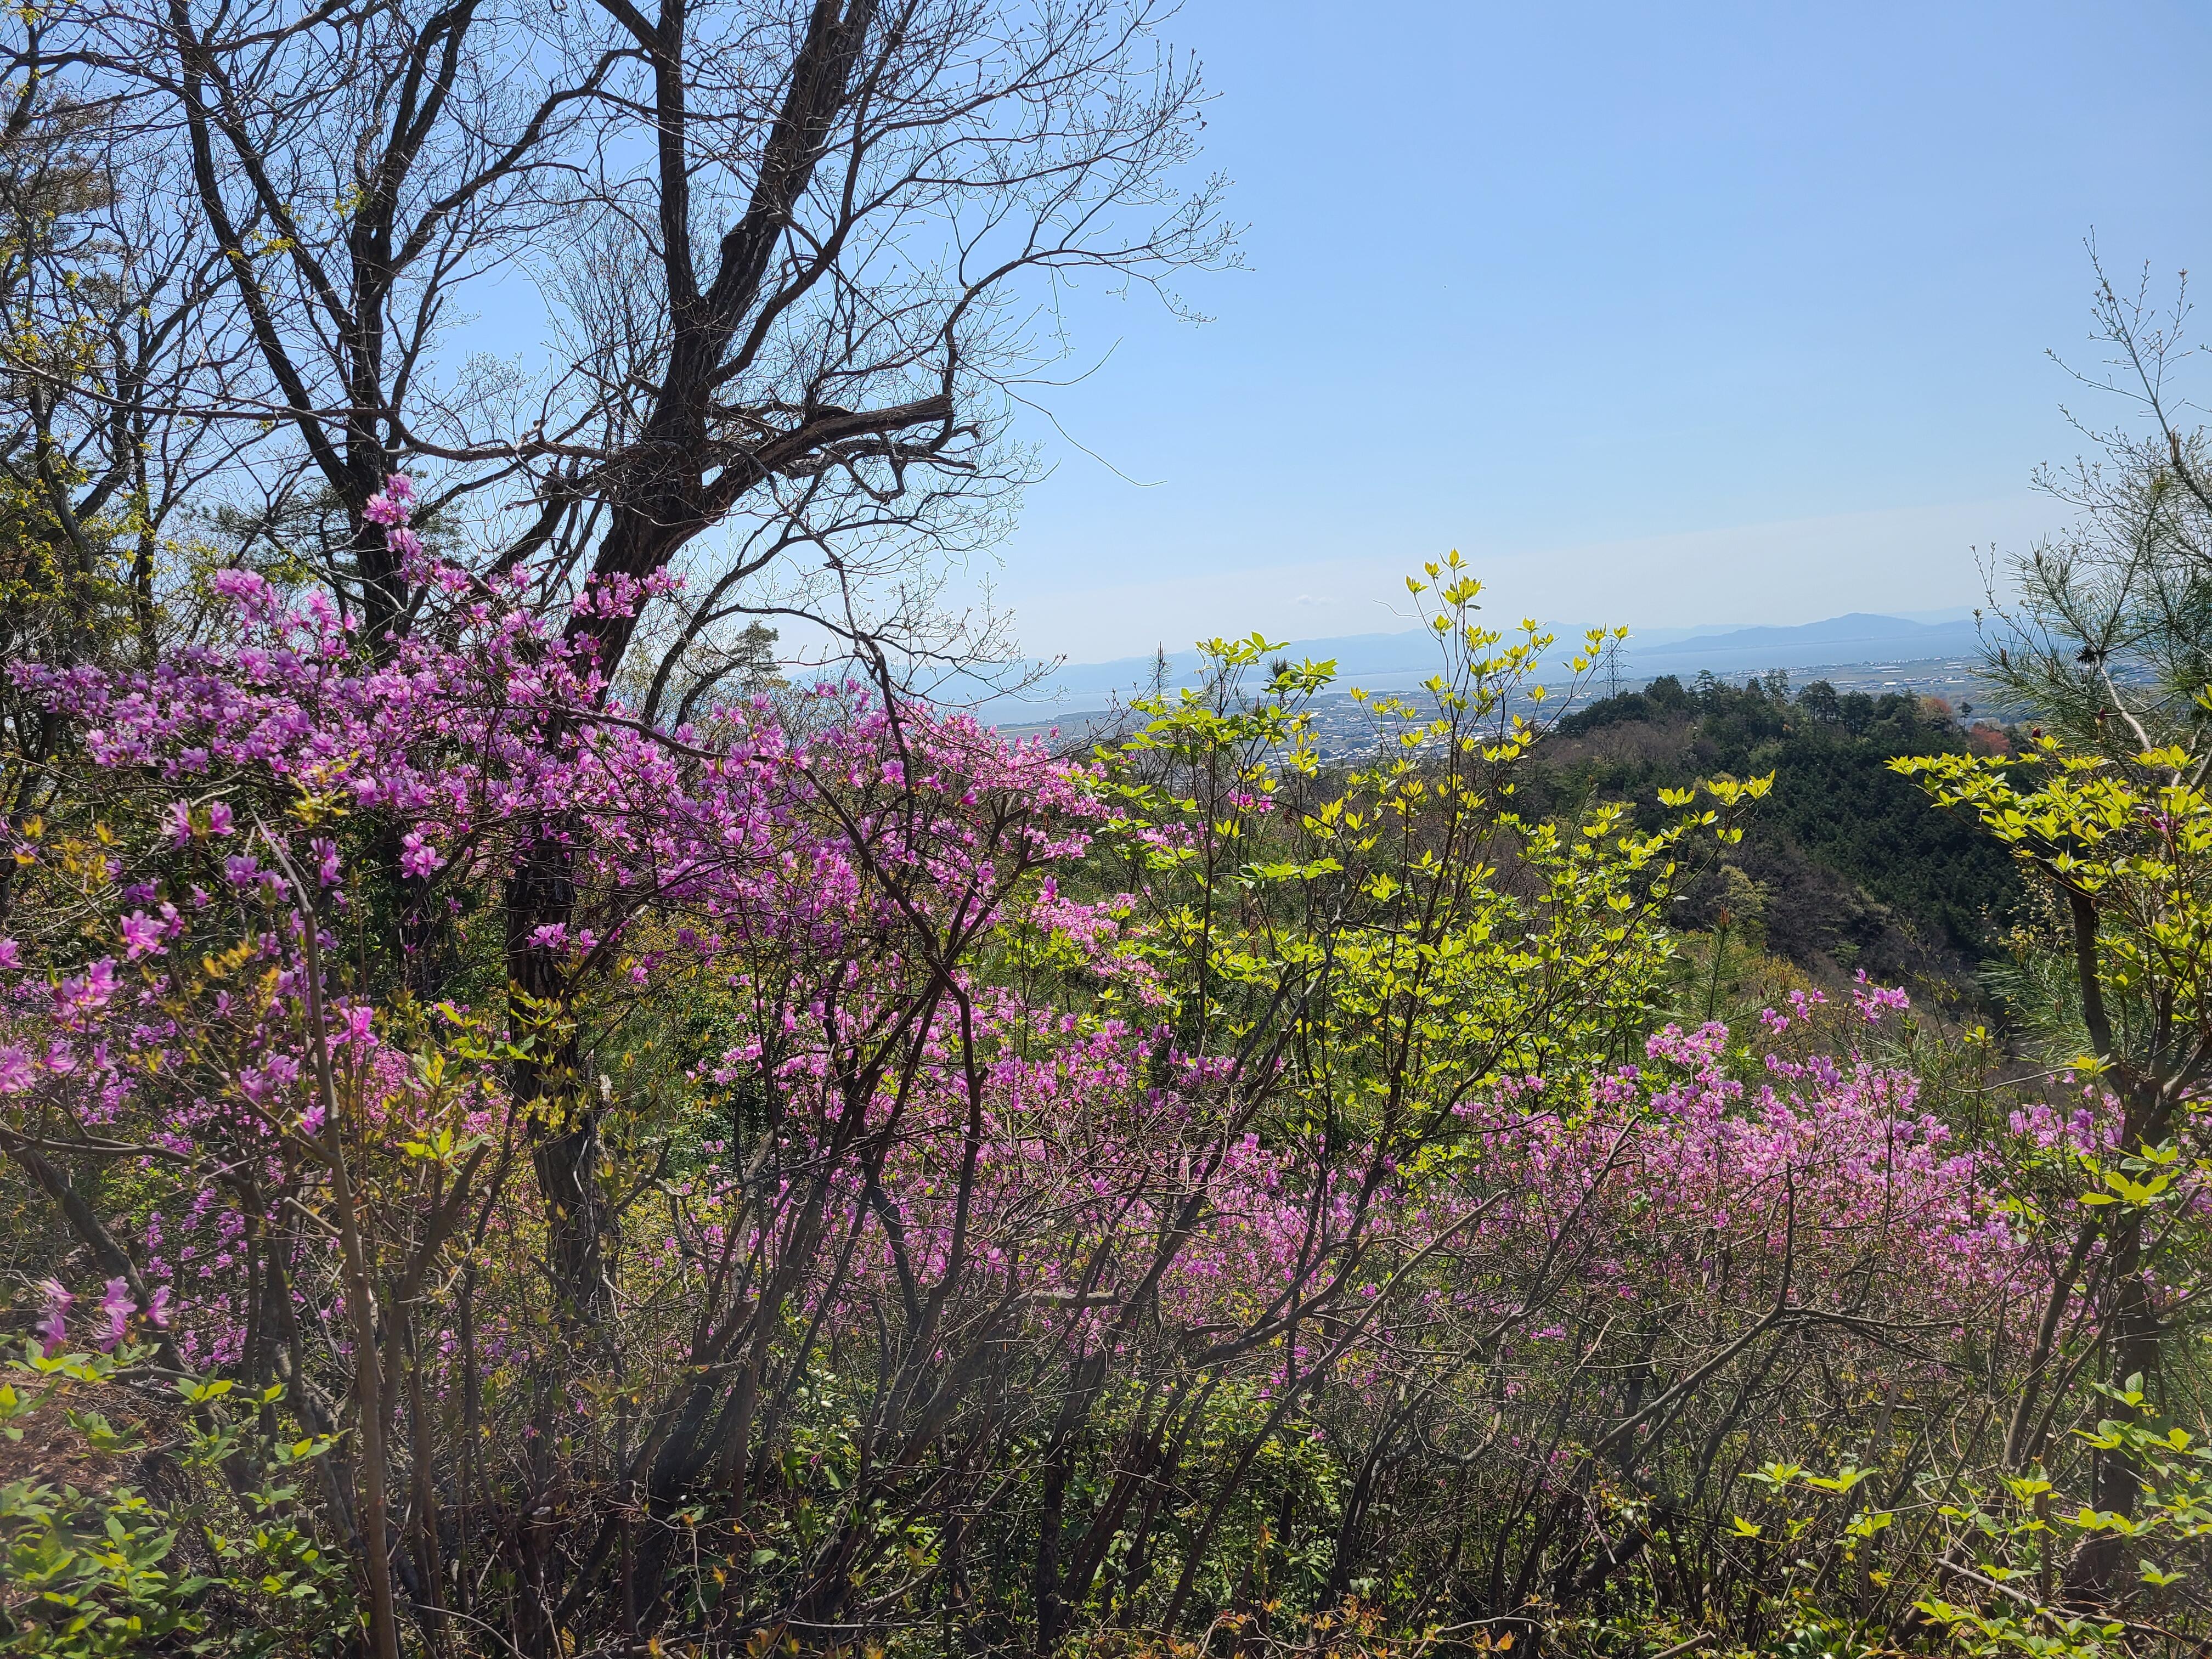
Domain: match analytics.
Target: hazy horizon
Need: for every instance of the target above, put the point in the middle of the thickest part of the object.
(1567, 632)
(1669, 318)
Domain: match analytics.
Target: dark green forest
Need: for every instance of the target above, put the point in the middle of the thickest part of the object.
(1845, 866)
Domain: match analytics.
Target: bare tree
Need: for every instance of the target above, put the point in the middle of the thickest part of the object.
(788, 259)
(2110, 637)
(109, 324)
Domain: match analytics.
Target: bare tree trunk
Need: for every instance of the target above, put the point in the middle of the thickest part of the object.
(564, 1123)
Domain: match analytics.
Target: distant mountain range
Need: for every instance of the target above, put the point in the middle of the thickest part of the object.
(1858, 638)
(1395, 661)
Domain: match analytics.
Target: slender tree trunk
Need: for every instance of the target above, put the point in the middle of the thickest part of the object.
(2136, 1333)
(564, 1124)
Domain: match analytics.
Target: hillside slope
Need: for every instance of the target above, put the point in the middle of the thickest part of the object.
(1848, 865)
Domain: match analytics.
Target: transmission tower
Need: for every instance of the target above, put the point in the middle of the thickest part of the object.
(1613, 675)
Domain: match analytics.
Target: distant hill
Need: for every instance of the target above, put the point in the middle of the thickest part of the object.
(1848, 866)
(1395, 661)
(1858, 638)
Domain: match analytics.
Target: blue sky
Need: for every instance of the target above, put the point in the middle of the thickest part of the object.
(1661, 315)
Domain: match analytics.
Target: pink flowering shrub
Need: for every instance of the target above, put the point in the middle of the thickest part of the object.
(832, 1160)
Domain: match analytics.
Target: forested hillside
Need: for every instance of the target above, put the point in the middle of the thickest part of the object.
(1849, 866)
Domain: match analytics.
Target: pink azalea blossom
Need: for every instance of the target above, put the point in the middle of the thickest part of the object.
(142, 936)
(115, 1308)
(53, 1328)
(416, 858)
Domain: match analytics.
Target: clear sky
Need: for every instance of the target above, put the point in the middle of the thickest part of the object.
(1665, 315)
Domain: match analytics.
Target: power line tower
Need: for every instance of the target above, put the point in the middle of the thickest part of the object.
(1613, 654)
